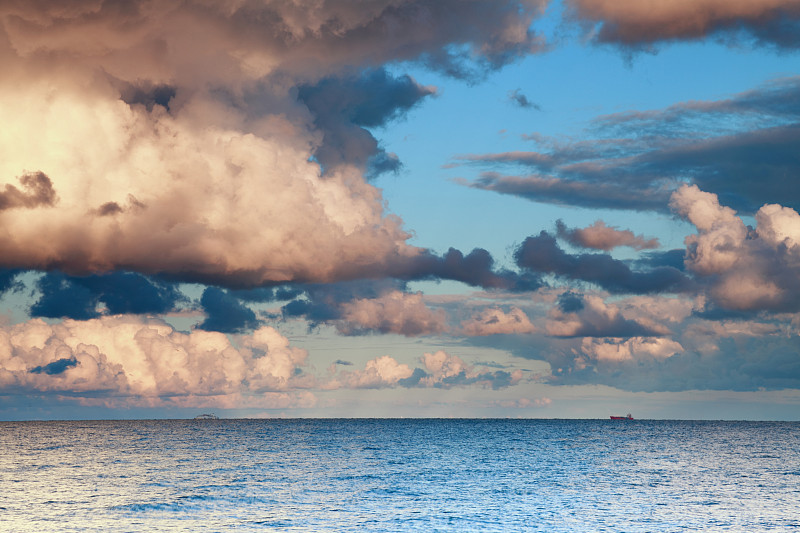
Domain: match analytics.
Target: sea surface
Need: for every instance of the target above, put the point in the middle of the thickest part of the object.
(399, 475)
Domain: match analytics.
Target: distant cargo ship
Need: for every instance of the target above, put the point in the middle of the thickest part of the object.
(206, 417)
(628, 417)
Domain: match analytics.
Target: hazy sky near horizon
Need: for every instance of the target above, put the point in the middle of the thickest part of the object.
(541, 208)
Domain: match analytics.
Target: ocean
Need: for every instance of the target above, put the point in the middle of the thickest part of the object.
(399, 475)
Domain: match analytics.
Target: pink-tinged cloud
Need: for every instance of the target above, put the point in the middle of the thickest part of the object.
(380, 372)
(495, 321)
(634, 22)
(745, 269)
(590, 316)
(615, 350)
(449, 370)
(201, 193)
(394, 312)
(146, 360)
(598, 236)
(173, 141)
(200, 40)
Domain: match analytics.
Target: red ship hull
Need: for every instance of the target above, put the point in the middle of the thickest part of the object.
(629, 417)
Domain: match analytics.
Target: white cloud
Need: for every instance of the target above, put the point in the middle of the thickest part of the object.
(146, 360)
(636, 348)
(746, 270)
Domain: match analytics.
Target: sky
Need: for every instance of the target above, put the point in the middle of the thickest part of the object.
(400, 208)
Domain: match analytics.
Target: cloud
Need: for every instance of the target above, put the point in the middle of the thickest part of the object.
(125, 356)
(8, 280)
(394, 312)
(637, 348)
(191, 109)
(383, 371)
(320, 303)
(633, 23)
(601, 237)
(446, 370)
(744, 269)
(638, 158)
(519, 99)
(37, 191)
(542, 254)
(475, 269)
(344, 107)
(495, 321)
(594, 194)
(115, 293)
(590, 316)
(225, 313)
(441, 370)
(256, 39)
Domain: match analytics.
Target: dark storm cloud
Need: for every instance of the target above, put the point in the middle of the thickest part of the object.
(475, 269)
(543, 255)
(37, 190)
(62, 298)
(741, 148)
(225, 313)
(121, 292)
(570, 302)
(343, 109)
(636, 24)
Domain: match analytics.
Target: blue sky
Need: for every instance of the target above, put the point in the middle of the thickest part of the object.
(458, 208)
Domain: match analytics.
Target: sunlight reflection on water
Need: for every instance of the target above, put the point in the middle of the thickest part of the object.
(399, 475)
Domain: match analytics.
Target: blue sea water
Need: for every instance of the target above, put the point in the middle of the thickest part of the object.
(399, 475)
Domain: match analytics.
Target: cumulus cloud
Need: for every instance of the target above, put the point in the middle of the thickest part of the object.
(448, 370)
(634, 23)
(744, 268)
(178, 141)
(383, 371)
(440, 370)
(619, 350)
(601, 237)
(590, 316)
(145, 358)
(495, 321)
(394, 312)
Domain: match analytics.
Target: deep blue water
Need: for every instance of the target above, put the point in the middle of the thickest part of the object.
(399, 475)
